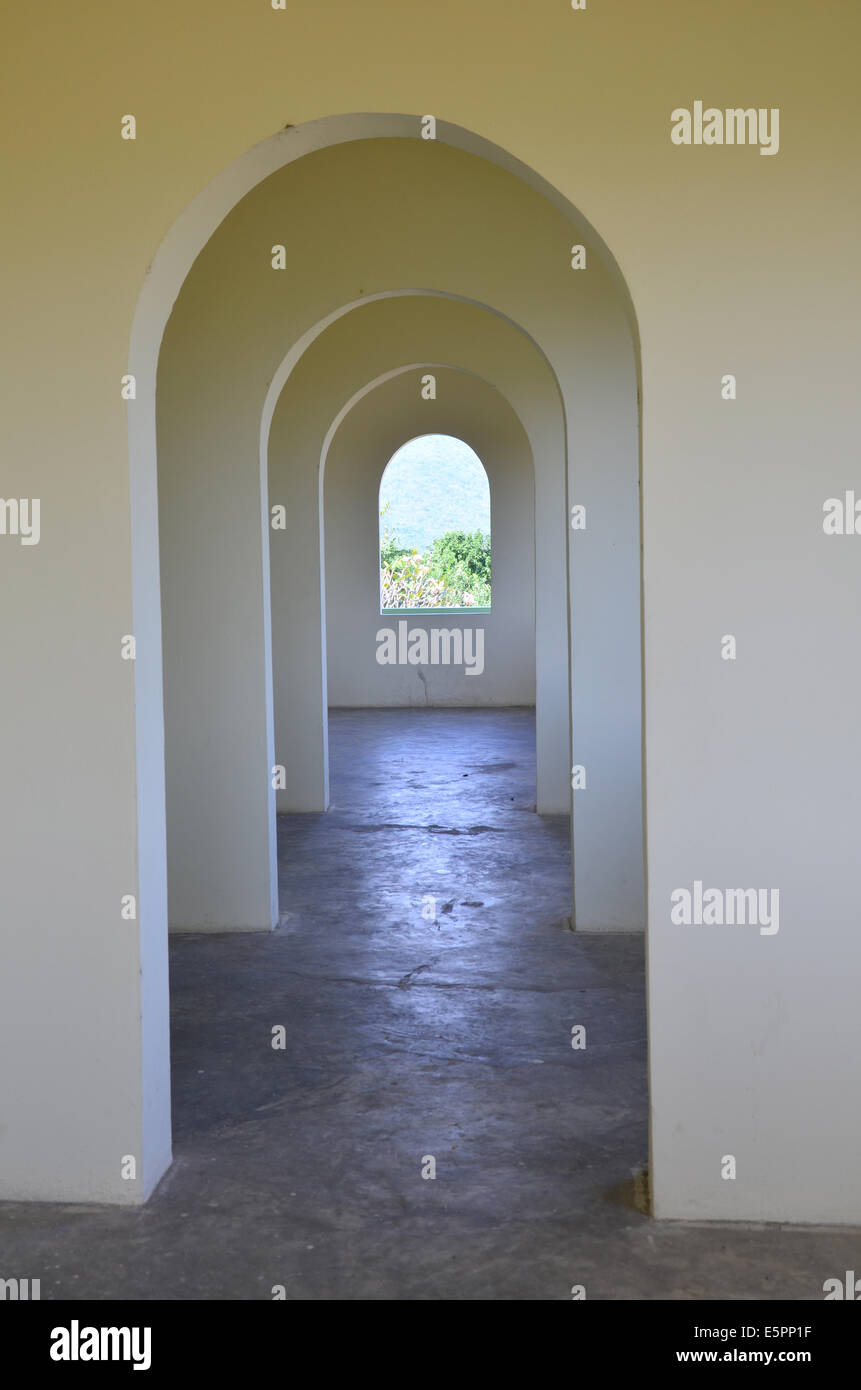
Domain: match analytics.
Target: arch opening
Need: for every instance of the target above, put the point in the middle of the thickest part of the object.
(576, 387)
(435, 528)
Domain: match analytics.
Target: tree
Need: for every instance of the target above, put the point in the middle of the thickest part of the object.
(462, 562)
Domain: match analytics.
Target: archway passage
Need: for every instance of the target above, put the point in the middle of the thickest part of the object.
(733, 486)
(345, 401)
(414, 655)
(216, 532)
(299, 558)
(433, 979)
(351, 388)
(250, 279)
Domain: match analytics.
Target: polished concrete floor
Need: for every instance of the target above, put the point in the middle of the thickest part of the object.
(409, 1038)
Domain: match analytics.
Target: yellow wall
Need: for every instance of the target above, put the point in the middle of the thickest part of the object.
(735, 263)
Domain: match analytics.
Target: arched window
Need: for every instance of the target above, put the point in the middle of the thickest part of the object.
(434, 527)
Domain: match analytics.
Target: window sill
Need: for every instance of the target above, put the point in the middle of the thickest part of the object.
(431, 612)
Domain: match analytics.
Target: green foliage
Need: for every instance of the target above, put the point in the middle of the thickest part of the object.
(390, 551)
(458, 550)
(406, 582)
(462, 561)
(453, 573)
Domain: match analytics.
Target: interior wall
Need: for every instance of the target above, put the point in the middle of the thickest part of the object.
(324, 386)
(471, 410)
(708, 240)
(217, 675)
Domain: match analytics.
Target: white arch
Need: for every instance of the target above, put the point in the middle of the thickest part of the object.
(390, 376)
(199, 220)
(553, 738)
(553, 726)
(162, 285)
(470, 409)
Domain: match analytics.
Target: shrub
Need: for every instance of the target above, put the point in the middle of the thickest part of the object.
(462, 562)
(454, 573)
(407, 582)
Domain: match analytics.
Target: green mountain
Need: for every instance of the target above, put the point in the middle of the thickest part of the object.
(434, 484)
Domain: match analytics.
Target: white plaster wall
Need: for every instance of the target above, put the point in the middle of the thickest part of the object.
(395, 412)
(217, 679)
(83, 989)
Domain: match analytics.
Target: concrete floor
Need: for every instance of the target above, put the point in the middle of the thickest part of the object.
(408, 1038)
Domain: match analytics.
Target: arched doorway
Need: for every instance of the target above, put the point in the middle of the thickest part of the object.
(224, 615)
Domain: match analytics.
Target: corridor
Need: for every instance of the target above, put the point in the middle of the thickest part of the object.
(428, 982)
(408, 1038)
